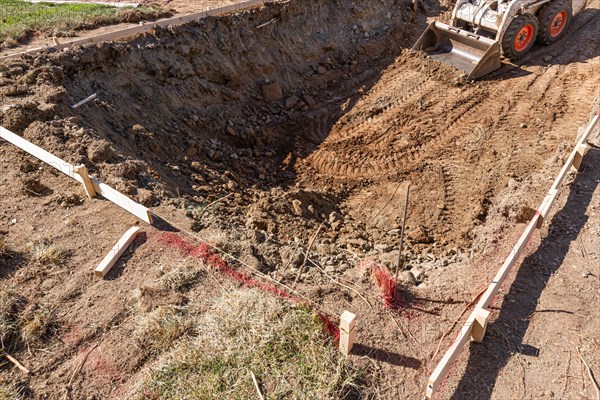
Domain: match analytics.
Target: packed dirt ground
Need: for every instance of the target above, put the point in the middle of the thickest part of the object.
(286, 136)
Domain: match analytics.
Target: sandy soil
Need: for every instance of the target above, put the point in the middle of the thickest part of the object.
(254, 146)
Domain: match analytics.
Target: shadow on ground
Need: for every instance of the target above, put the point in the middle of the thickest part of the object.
(386, 356)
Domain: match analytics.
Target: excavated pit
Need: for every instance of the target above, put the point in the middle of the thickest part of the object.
(294, 115)
(220, 106)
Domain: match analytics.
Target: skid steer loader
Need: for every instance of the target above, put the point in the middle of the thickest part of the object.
(481, 31)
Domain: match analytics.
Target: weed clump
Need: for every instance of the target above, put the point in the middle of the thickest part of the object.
(47, 253)
(36, 324)
(22, 325)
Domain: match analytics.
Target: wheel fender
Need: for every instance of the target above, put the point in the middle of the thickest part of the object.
(511, 12)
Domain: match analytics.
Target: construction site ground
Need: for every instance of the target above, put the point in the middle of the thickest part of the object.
(170, 9)
(286, 136)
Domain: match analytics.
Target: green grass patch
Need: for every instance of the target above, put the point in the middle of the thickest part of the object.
(19, 19)
(247, 332)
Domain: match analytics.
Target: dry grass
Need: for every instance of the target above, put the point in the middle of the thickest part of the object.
(8, 391)
(245, 331)
(47, 253)
(36, 324)
(158, 330)
(183, 277)
(21, 325)
(10, 305)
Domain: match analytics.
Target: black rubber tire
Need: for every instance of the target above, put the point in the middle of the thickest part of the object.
(546, 18)
(510, 36)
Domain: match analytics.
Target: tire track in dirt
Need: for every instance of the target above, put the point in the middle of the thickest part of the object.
(379, 159)
(401, 133)
(451, 173)
(375, 147)
(529, 102)
(511, 110)
(469, 106)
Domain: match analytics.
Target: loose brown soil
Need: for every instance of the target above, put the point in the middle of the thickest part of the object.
(252, 130)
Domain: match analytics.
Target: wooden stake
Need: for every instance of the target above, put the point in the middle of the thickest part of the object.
(100, 188)
(582, 141)
(88, 186)
(579, 152)
(116, 252)
(465, 333)
(480, 325)
(16, 363)
(449, 330)
(347, 332)
(545, 206)
(475, 325)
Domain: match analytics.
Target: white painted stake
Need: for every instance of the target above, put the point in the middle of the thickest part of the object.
(347, 332)
(87, 99)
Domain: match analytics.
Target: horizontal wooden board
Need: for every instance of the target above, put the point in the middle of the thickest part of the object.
(116, 252)
(102, 189)
(136, 30)
(442, 368)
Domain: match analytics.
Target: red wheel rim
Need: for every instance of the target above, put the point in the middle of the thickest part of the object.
(524, 37)
(558, 23)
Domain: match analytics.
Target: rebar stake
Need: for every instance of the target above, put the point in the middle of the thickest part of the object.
(399, 264)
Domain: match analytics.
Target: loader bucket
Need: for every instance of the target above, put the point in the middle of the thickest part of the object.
(474, 54)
